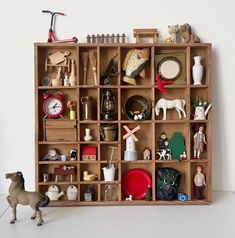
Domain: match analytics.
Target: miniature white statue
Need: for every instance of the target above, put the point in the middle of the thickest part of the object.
(173, 30)
(165, 104)
(199, 141)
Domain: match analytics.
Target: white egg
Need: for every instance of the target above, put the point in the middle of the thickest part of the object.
(136, 117)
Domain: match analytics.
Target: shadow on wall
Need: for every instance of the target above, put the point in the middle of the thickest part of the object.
(219, 140)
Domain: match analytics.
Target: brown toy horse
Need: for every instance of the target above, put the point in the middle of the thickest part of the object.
(18, 195)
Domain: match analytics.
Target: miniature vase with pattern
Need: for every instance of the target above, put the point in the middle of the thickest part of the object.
(197, 71)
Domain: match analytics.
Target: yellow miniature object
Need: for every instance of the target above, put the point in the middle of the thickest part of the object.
(89, 177)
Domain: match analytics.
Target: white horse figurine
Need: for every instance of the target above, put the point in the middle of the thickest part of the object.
(165, 104)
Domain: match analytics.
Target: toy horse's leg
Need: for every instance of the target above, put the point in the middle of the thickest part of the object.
(14, 213)
(9, 200)
(182, 110)
(164, 113)
(40, 217)
(39, 212)
(35, 213)
(178, 110)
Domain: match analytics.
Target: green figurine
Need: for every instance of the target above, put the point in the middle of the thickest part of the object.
(148, 196)
(177, 145)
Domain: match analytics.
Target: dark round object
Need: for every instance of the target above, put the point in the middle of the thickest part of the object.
(137, 103)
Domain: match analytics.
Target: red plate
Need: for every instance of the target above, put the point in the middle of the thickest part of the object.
(135, 182)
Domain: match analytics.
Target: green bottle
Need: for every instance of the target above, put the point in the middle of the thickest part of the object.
(148, 196)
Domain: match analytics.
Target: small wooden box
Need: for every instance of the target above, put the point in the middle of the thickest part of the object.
(89, 152)
(60, 130)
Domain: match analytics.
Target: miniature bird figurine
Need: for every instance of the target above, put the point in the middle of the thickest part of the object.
(159, 83)
(89, 177)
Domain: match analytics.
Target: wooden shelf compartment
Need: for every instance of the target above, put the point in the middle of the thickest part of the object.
(127, 92)
(144, 136)
(64, 179)
(170, 129)
(207, 188)
(106, 151)
(90, 74)
(96, 193)
(185, 178)
(149, 64)
(62, 149)
(91, 168)
(147, 167)
(43, 52)
(203, 94)
(106, 54)
(69, 94)
(180, 53)
(117, 107)
(205, 53)
(173, 93)
(193, 129)
(94, 127)
(63, 200)
(94, 94)
(114, 189)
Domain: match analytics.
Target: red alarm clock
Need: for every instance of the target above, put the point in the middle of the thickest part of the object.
(53, 105)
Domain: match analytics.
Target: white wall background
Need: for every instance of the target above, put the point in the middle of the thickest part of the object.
(22, 24)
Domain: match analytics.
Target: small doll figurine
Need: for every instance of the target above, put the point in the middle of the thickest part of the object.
(199, 182)
(199, 141)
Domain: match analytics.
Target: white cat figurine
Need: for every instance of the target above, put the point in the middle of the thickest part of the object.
(173, 30)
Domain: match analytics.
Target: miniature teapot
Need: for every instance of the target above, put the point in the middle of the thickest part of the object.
(53, 193)
(201, 112)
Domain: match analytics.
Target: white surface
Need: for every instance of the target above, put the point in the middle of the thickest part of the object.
(22, 23)
(216, 220)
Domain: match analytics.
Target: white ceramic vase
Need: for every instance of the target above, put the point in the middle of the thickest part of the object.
(197, 71)
(87, 136)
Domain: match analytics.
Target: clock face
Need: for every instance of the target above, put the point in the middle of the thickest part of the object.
(53, 107)
(52, 152)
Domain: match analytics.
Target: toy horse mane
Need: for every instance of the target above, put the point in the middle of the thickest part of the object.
(20, 175)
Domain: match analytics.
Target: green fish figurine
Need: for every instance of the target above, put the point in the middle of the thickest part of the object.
(134, 63)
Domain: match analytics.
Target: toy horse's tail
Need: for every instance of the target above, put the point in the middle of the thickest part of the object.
(44, 202)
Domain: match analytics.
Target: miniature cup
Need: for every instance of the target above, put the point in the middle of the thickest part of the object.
(63, 157)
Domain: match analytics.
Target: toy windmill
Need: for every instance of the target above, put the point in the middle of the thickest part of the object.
(130, 153)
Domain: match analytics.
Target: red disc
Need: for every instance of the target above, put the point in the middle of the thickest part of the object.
(135, 182)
